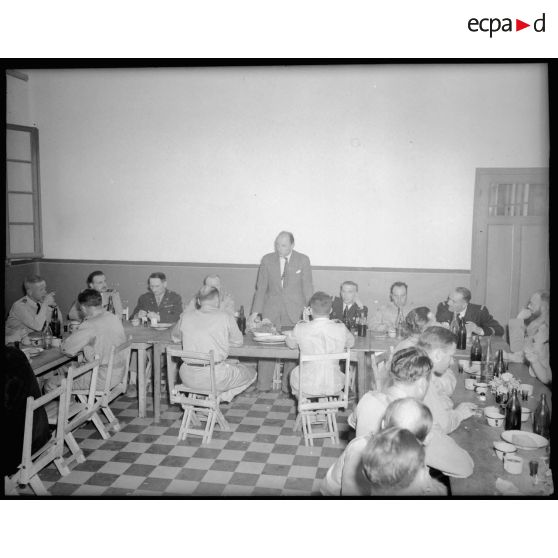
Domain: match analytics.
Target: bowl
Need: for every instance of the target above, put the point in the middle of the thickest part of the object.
(481, 388)
(494, 417)
(135, 322)
(513, 464)
(470, 383)
(525, 414)
(503, 448)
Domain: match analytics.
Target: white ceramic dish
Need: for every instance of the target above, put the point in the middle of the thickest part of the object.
(161, 326)
(503, 448)
(525, 414)
(262, 334)
(32, 351)
(271, 339)
(494, 417)
(524, 440)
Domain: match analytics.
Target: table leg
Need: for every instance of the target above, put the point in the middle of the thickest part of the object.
(362, 375)
(141, 384)
(157, 352)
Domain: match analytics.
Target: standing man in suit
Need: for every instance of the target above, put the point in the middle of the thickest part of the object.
(348, 306)
(478, 319)
(283, 289)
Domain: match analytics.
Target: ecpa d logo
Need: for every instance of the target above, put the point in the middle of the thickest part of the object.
(494, 24)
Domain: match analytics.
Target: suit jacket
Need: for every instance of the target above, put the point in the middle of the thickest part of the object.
(169, 310)
(474, 313)
(353, 312)
(271, 297)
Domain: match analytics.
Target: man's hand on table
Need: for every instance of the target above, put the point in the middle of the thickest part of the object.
(466, 409)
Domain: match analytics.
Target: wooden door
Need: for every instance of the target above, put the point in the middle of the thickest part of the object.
(510, 239)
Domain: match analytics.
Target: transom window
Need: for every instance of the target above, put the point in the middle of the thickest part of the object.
(517, 200)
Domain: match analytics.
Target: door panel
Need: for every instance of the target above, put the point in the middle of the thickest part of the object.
(534, 261)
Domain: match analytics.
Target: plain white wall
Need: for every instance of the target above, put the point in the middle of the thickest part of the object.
(369, 166)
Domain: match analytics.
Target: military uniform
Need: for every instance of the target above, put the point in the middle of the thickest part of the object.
(169, 310)
(75, 312)
(26, 316)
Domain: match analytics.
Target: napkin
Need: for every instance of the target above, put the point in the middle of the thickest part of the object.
(506, 488)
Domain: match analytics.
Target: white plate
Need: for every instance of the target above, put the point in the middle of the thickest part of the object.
(271, 338)
(32, 351)
(161, 326)
(262, 334)
(270, 342)
(524, 440)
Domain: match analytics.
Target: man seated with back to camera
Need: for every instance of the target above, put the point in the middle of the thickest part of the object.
(345, 477)
(320, 336)
(478, 319)
(211, 329)
(98, 282)
(96, 335)
(226, 301)
(393, 462)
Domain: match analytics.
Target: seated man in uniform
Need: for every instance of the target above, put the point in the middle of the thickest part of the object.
(393, 462)
(30, 313)
(319, 337)
(385, 316)
(226, 301)
(98, 282)
(206, 329)
(159, 303)
(96, 335)
(348, 306)
(533, 323)
(477, 318)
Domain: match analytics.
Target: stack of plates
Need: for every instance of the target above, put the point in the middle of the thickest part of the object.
(161, 326)
(269, 338)
(524, 440)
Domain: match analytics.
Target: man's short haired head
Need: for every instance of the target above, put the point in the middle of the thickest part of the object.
(284, 243)
(320, 303)
(97, 280)
(92, 276)
(157, 283)
(90, 298)
(458, 299)
(35, 287)
(440, 344)
(349, 290)
(411, 414)
(464, 292)
(398, 293)
(208, 296)
(158, 275)
(417, 318)
(539, 303)
(410, 365)
(392, 460)
(212, 281)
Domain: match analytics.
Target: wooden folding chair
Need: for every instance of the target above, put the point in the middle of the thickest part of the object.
(118, 356)
(198, 404)
(53, 450)
(83, 409)
(316, 409)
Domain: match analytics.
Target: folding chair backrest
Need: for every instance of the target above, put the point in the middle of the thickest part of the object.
(346, 356)
(31, 464)
(195, 359)
(91, 405)
(118, 355)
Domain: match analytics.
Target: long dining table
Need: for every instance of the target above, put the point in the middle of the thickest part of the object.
(144, 338)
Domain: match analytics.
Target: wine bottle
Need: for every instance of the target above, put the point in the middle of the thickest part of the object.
(454, 324)
(513, 412)
(541, 418)
(241, 320)
(476, 350)
(55, 324)
(461, 335)
(362, 324)
(399, 324)
(110, 305)
(500, 366)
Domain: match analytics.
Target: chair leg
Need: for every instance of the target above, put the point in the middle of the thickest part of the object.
(210, 425)
(74, 448)
(222, 421)
(182, 433)
(113, 422)
(38, 486)
(96, 419)
(62, 466)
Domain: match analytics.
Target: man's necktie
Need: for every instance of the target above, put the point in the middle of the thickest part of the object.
(38, 307)
(345, 313)
(284, 274)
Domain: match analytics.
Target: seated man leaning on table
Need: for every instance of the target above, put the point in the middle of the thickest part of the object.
(211, 329)
(159, 303)
(477, 318)
(319, 337)
(385, 316)
(226, 301)
(96, 335)
(532, 325)
(410, 372)
(348, 305)
(98, 282)
(30, 313)
(346, 476)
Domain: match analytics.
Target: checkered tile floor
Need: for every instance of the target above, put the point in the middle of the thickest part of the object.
(260, 456)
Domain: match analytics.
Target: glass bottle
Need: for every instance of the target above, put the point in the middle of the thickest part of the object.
(513, 412)
(541, 418)
(399, 324)
(362, 324)
(47, 337)
(461, 335)
(241, 320)
(110, 305)
(55, 325)
(454, 324)
(476, 349)
(500, 365)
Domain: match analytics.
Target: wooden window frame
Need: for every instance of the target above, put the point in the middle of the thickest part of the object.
(36, 198)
